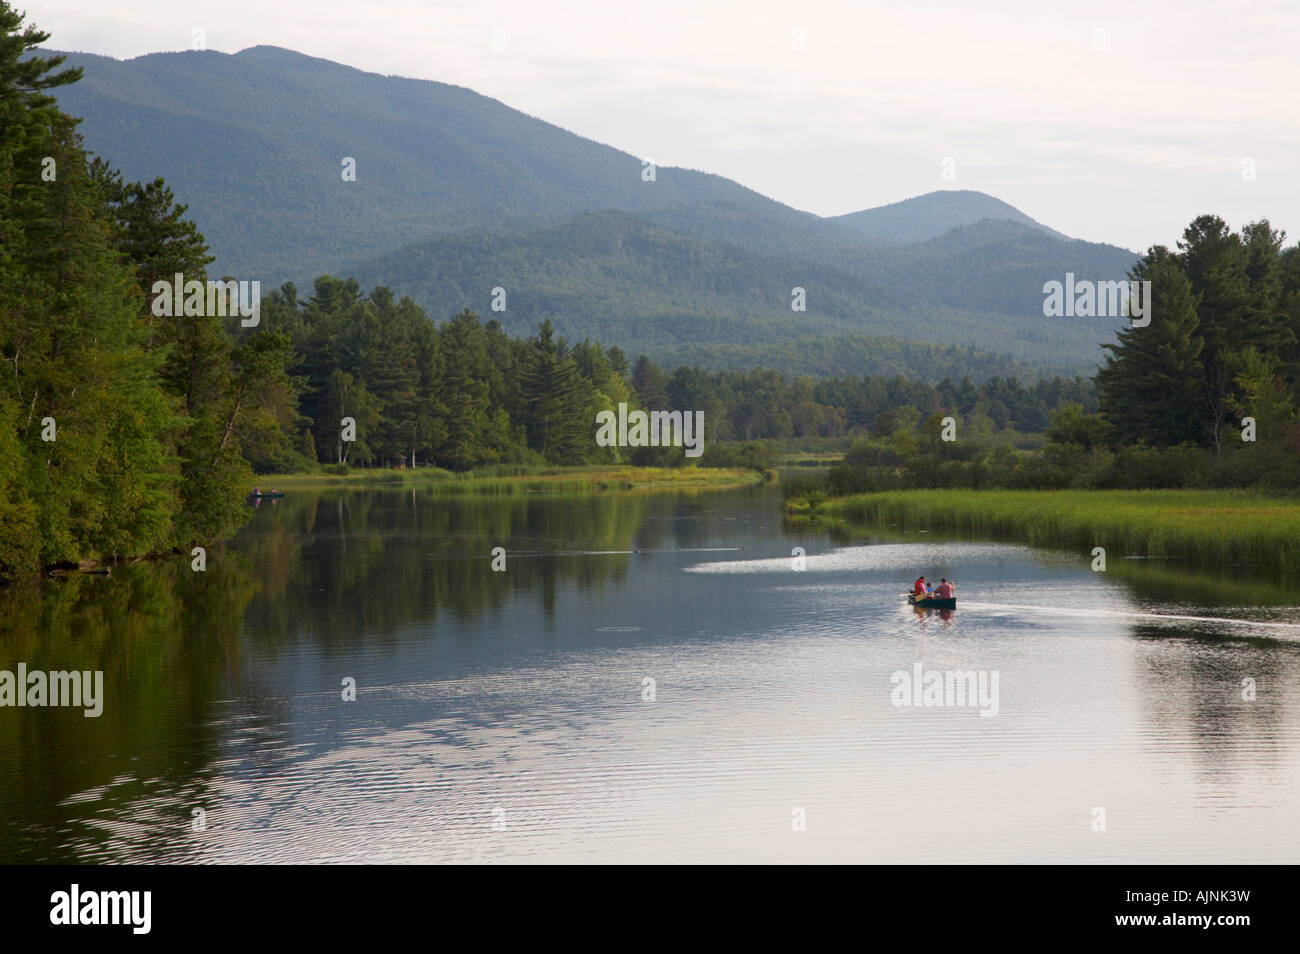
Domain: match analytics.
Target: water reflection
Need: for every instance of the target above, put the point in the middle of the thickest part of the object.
(518, 696)
(166, 639)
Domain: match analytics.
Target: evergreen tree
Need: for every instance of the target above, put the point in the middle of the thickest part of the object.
(556, 400)
(465, 392)
(1214, 261)
(650, 384)
(1150, 387)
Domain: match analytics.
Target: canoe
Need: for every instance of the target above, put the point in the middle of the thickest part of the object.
(280, 494)
(933, 602)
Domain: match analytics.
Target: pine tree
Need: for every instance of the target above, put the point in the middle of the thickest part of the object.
(1150, 386)
(464, 392)
(1214, 261)
(650, 383)
(556, 400)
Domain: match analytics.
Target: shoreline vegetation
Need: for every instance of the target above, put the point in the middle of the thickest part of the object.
(126, 428)
(510, 479)
(1199, 527)
(487, 481)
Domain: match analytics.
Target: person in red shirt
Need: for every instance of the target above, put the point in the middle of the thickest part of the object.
(918, 588)
(944, 590)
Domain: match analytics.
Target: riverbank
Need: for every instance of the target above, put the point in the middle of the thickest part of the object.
(499, 480)
(1208, 528)
(517, 480)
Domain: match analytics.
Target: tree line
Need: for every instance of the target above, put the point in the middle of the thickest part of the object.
(123, 432)
(1205, 395)
(464, 393)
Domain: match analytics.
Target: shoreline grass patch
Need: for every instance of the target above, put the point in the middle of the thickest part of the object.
(517, 479)
(1211, 528)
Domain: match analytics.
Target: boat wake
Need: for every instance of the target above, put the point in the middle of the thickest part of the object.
(1088, 613)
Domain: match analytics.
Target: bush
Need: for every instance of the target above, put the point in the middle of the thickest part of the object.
(756, 455)
(812, 487)
(1140, 467)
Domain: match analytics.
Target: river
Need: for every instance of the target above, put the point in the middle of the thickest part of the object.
(650, 677)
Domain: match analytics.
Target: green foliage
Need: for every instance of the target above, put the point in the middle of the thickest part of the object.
(119, 431)
(1225, 317)
(1203, 396)
(1071, 426)
(466, 395)
(19, 540)
(904, 461)
(919, 310)
(1202, 527)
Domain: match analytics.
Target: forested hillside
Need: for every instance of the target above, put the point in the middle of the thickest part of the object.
(929, 216)
(456, 194)
(614, 276)
(462, 393)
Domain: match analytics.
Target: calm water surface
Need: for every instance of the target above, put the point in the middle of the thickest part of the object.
(499, 716)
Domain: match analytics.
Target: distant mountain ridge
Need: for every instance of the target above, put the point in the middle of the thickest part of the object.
(456, 193)
(928, 216)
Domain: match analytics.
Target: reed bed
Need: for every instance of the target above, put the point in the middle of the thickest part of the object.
(514, 479)
(1211, 528)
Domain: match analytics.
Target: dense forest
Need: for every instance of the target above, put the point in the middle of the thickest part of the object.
(681, 298)
(124, 432)
(464, 393)
(1204, 396)
(118, 431)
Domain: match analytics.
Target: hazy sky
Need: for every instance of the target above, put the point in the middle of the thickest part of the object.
(1110, 121)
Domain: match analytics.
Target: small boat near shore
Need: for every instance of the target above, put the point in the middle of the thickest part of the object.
(932, 602)
(256, 496)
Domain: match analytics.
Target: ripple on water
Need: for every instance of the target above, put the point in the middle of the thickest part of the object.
(524, 733)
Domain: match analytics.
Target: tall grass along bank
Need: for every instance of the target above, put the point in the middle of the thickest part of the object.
(1204, 527)
(515, 479)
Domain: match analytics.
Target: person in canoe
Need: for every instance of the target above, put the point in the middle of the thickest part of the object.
(945, 590)
(918, 588)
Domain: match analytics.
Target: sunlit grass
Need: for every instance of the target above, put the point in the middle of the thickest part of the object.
(515, 479)
(1204, 527)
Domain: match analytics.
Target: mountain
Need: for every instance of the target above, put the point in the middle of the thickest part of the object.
(456, 194)
(255, 142)
(931, 215)
(617, 277)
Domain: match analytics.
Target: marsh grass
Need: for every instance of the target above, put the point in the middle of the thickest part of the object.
(1211, 528)
(515, 479)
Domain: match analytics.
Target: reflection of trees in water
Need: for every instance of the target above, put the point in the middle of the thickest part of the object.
(165, 638)
(367, 564)
(684, 521)
(1189, 675)
(1157, 581)
(333, 568)
(1190, 687)
(1166, 581)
